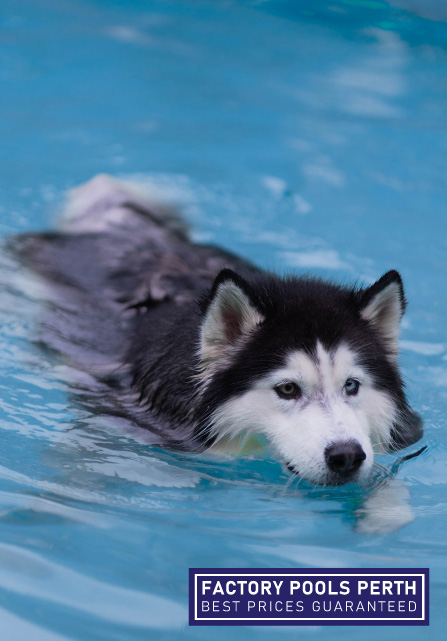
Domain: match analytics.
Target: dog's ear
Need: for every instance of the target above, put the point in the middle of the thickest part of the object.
(383, 305)
(232, 312)
(408, 429)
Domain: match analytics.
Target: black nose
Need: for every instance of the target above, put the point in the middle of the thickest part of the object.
(344, 457)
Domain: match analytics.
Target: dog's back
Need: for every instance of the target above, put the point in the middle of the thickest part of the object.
(120, 266)
(117, 253)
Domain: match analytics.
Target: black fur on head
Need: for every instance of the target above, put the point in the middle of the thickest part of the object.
(261, 318)
(224, 276)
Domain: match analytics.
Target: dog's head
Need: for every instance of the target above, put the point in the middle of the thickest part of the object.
(310, 365)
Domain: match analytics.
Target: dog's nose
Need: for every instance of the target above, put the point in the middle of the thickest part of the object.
(344, 457)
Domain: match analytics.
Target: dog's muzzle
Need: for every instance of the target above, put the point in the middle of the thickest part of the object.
(344, 458)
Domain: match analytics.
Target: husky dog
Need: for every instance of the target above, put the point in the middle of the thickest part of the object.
(200, 347)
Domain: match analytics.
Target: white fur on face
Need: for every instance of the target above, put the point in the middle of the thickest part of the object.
(300, 430)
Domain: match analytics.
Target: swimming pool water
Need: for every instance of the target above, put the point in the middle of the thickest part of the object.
(305, 136)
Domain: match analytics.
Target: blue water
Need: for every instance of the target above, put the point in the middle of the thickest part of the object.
(303, 135)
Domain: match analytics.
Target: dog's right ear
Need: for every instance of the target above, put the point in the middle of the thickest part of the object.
(231, 314)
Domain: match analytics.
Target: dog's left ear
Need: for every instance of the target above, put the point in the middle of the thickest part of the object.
(231, 315)
(383, 305)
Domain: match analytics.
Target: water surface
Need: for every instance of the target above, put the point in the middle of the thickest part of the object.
(305, 136)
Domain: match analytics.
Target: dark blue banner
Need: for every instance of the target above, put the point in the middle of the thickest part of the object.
(308, 596)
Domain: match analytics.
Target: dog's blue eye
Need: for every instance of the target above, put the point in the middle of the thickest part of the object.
(352, 387)
(288, 390)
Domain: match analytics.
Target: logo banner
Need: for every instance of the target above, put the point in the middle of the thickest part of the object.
(308, 596)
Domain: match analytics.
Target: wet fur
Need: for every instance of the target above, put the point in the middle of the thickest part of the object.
(133, 295)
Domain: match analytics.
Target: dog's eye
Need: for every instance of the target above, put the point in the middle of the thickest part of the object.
(352, 387)
(288, 390)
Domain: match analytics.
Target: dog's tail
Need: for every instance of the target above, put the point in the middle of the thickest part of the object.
(105, 204)
(109, 245)
(110, 234)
